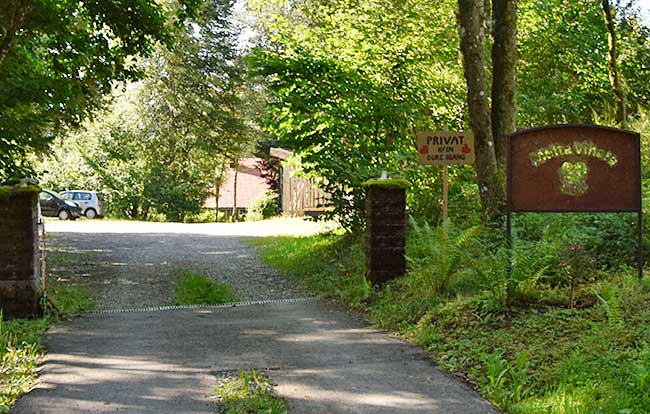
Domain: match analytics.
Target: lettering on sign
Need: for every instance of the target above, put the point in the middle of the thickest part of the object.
(442, 147)
(574, 168)
(577, 148)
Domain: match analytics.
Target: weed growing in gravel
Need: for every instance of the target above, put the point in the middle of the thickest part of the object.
(249, 392)
(197, 289)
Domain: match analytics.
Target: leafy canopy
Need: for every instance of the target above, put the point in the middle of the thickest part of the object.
(59, 58)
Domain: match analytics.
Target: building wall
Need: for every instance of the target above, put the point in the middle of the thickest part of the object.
(250, 186)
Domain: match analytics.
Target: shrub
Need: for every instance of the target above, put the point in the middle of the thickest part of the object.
(264, 207)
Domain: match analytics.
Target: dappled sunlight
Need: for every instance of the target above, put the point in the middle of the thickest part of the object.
(144, 361)
(397, 400)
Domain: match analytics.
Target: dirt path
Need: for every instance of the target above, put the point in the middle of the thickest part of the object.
(166, 361)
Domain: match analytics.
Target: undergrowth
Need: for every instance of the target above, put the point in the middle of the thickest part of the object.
(533, 338)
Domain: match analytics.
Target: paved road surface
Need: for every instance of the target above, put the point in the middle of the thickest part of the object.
(166, 361)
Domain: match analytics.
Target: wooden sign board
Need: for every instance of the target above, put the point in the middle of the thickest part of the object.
(573, 168)
(445, 148)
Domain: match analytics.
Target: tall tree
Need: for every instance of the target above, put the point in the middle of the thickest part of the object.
(490, 126)
(504, 75)
(615, 77)
(58, 58)
(350, 81)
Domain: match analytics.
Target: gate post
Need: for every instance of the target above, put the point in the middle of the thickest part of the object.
(385, 229)
(21, 290)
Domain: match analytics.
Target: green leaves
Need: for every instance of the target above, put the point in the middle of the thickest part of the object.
(58, 58)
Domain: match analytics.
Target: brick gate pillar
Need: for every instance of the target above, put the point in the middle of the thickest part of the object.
(385, 229)
(20, 286)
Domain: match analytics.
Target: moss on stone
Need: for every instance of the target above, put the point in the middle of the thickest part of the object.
(391, 182)
(7, 191)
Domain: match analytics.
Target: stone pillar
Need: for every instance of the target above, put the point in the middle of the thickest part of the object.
(20, 285)
(385, 229)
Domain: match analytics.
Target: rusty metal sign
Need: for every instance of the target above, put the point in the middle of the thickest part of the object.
(574, 168)
(445, 148)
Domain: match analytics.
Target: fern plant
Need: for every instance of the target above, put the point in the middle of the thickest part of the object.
(609, 298)
(435, 255)
(510, 274)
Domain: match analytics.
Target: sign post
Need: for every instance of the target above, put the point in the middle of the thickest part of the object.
(575, 168)
(445, 148)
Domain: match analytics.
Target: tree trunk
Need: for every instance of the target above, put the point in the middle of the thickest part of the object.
(235, 214)
(217, 191)
(17, 21)
(472, 37)
(504, 77)
(615, 77)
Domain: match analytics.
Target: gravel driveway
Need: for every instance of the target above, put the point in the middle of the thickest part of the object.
(133, 265)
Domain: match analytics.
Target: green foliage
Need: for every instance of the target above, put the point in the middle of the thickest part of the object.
(435, 256)
(610, 238)
(21, 351)
(197, 289)
(264, 207)
(348, 89)
(512, 275)
(506, 384)
(329, 264)
(538, 357)
(390, 182)
(249, 393)
(189, 108)
(70, 300)
(578, 266)
(58, 58)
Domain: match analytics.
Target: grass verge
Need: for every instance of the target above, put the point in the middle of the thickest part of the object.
(537, 356)
(246, 393)
(197, 289)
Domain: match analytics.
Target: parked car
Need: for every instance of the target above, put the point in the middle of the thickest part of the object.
(89, 201)
(53, 205)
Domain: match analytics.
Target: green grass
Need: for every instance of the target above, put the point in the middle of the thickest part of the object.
(197, 289)
(327, 264)
(250, 392)
(535, 356)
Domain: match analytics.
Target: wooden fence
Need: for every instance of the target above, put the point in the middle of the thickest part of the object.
(298, 195)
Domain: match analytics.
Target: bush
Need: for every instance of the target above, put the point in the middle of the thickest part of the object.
(610, 238)
(264, 207)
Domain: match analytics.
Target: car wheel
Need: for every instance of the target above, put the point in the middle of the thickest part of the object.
(91, 213)
(64, 215)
